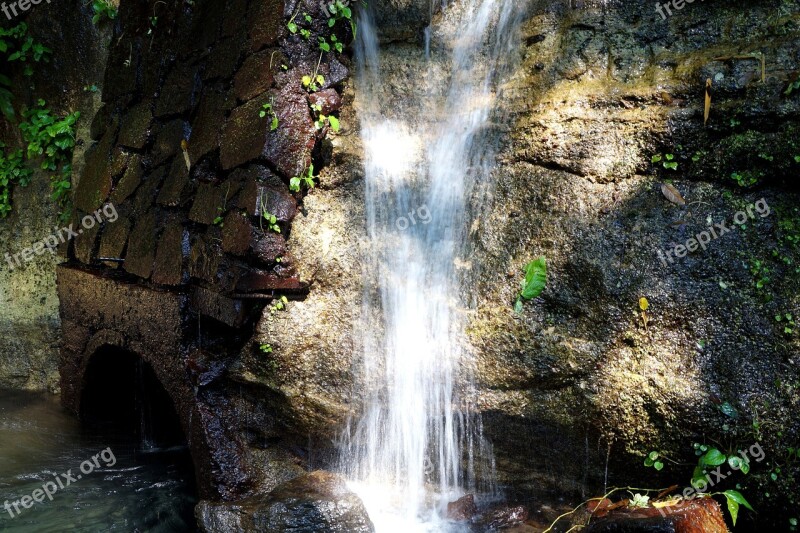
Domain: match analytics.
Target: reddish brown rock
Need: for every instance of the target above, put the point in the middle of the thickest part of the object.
(289, 147)
(701, 515)
(260, 281)
(462, 509)
(267, 247)
(329, 100)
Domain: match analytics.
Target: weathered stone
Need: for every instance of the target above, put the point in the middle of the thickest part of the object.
(95, 181)
(289, 147)
(113, 241)
(100, 122)
(328, 100)
(207, 125)
(85, 243)
(168, 142)
(236, 233)
(135, 126)
(257, 74)
(177, 92)
(213, 304)
(129, 181)
(261, 281)
(235, 19)
(462, 509)
(276, 200)
(146, 194)
(204, 259)
(142, 247)
(311, 503)
(119, 162)
(268, 246)
(173, 193)
(264, 27)
(502, 518)
(244, 135)
(168, 268)
(224, 58)
(209, 203)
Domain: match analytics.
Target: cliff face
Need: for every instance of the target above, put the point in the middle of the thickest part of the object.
(29, 323)
(603, 96)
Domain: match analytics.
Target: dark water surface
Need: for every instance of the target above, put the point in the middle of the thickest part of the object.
(134, 488)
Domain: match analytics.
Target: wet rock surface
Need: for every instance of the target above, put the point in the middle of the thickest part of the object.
(314, 502)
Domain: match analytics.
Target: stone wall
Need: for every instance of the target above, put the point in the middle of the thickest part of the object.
(185, 152)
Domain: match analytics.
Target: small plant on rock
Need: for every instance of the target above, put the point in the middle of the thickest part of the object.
(103, 8)
(534, 282)
(306, 178)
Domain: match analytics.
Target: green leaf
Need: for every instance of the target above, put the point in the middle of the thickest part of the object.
(658, 465)
(729, 410)
(713, 457)
(735, 499)
(334, 122)
(518, 306)
(535, 278)
(735, 462)
(292, 27)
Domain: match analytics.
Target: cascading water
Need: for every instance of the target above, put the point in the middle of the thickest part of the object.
(427, 159)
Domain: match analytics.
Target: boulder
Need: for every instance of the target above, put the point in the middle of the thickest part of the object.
(317, 502)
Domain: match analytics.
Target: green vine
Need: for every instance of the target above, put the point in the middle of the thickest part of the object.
(52, 140)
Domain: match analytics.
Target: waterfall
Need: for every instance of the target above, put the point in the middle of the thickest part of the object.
(428, 160)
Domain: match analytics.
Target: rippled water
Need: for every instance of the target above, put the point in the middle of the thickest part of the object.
(144, 490)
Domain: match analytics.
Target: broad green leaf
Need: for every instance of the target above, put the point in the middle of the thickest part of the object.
(713, 457)
(334, 123)
(535, 278)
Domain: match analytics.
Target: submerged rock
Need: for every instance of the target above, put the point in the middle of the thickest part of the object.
(312, 503)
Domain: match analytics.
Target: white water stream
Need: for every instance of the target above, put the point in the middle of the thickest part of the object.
(417, 446)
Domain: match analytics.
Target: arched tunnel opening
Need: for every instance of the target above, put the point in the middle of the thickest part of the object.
(123, 395)
(125, 406)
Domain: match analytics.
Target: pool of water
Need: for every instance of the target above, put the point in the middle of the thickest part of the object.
(99, 479)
